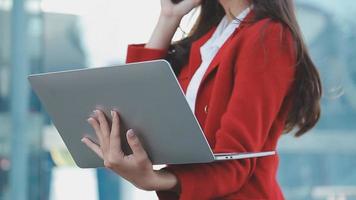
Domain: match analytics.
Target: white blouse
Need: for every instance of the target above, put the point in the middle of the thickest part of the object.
(209, 50)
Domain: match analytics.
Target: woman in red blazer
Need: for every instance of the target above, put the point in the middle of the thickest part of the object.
(260, 83)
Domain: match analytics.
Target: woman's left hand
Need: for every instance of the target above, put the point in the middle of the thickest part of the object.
(136, 168)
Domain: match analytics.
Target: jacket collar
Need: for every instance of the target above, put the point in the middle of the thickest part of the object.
(195, 59)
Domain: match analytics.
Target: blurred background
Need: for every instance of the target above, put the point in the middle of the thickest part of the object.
(50, 35)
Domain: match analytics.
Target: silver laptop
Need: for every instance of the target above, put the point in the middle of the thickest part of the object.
(149, 100)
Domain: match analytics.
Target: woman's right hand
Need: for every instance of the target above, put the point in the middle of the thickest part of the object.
(169, 20)
(170, 9)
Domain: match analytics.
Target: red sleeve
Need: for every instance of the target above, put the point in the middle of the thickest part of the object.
(138, 53)
(264, 73)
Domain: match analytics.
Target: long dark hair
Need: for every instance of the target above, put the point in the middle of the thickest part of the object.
(306, 92)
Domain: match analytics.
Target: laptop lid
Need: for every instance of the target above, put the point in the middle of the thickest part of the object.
(149, 99)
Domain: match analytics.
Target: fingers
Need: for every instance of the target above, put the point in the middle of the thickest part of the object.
(115, 141)
(110, 143)
(189, 5)
(138, 151)
(104, 125)
(93, 146)
(102, 130)
(95, 124)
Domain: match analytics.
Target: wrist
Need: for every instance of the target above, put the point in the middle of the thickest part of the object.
(164, 32)
(148, 182)
(170, 18)
(166, 181)
(170, 15)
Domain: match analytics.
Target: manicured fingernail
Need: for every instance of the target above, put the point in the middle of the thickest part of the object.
(112, 113)
(83, 139)
(131, 133)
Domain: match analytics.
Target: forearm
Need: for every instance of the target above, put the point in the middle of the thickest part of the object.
(164, 31)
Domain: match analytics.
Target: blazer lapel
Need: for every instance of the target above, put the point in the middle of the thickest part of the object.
(219, 56)
(195, 58)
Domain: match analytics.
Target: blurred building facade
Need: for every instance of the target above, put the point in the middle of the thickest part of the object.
(35, 38)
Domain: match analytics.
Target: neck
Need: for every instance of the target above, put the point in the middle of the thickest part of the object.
(234, 7)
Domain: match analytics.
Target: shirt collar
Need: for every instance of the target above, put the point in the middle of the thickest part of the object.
(225, 29)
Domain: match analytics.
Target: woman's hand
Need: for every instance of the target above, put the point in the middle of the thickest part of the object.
(137, 167)
(168, 8)
(168, 22)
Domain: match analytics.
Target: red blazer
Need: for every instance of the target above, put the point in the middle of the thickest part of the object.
(241, 106)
